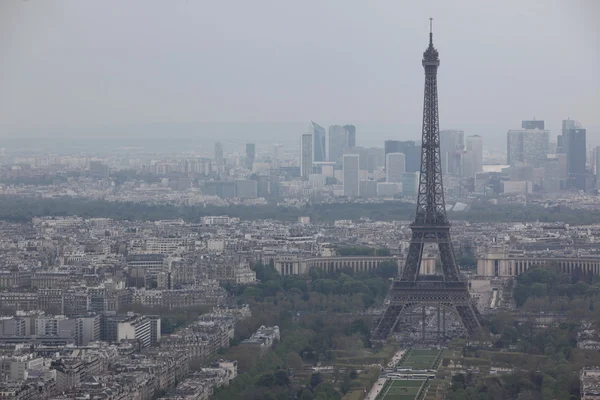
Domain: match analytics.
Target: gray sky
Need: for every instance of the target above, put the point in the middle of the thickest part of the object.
(112, 62)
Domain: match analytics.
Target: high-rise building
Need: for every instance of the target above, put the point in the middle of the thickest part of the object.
(219, 153)
(536, 144)
(350, 131)
(363, 158)
(468, 164)
(318, 136)
(306, 155)
(411, 151)
(337, 143)
(533, 124)
(574, 146)
(597, 166)
(250, 155)
(395, 166)
(392, 146)
(528, 146)
(351, 175)
(368, 188)
(277, 151)
(552, 180)
(475, 145)
(410, 183)
(452, 144)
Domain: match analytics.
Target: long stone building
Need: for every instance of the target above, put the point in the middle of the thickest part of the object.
(499, 263)
(293, 265)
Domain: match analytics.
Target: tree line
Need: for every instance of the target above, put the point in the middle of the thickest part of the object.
(19, 208)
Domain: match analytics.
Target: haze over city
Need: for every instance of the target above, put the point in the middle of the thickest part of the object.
(317, 200)
(259, 70)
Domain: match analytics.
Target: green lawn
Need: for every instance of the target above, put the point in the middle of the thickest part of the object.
(421, 359)
(402, 390)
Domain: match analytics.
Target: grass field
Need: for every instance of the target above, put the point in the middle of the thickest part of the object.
(401, 390)
(419, 359)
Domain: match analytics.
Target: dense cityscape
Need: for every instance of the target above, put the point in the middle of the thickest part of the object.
(327, 269)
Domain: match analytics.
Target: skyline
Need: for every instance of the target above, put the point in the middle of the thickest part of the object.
(116, 82)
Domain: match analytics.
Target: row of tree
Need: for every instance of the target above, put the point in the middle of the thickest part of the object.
(17, 208)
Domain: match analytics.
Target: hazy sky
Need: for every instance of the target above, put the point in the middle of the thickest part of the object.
(89, 63)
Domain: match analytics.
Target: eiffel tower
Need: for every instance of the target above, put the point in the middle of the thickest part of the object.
(411, 292)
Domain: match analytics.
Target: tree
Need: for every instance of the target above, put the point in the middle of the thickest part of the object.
(387, 269)
(326, 391)
(267, 380)
(282, 378)
(316, 379)
(253, 293)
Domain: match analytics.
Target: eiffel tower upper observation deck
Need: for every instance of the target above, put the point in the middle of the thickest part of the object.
(448, 291)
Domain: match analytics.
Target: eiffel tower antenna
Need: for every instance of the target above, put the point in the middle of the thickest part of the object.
(431, 30)
(411, 290)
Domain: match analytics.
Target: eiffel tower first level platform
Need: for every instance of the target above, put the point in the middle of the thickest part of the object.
(406, 297)
(411, 292)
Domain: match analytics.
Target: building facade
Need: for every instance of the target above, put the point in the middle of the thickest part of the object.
(351, 175)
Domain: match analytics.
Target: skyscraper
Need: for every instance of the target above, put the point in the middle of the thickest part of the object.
(250, 155)
(574, 146)
(306, 155)
(528, 146)
(475, 146)
(219, 153)
(337, 143)
(452, 144)
(350, 131)
(318, 135)
(597, 166)
(533, 124)
(536, 144)
(277, 151)
(395, 166)
(409, 148)
(392, 146)
(351, 175)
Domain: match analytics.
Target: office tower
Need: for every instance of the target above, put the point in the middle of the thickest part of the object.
(533, 124)
(392, 146)
(527, 146)
(368, 189)
(277, 151)
(574, 146)
(395, 166)
(363, 158)
(536, 144)
(468, 164)
(411, 151)
(351, 175)
(337, 143)
(350, 132)
(552, 174)
(452, 144)
(318, 136)
(475, 145)
(306, 155)
(219, 153)
(410, 183)
(250, 155)
(597, 165)
(514, 147)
